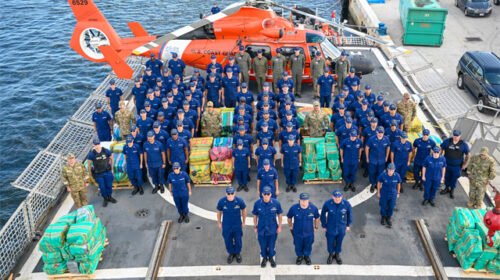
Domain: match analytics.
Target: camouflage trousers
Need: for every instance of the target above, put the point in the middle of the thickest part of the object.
(476, 194)
(80, 197)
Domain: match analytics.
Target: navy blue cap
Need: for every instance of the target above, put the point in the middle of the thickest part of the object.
(137, 80)
(174, 54)
(243, 99)
(371, 114)
(242, 48)
(151, 134)
(229, 70)
(240, 118)
(343, 53)
(265, 141)
(179, 111)
(266, 84)
(212, 75)
(353, 133)
(244, 85)
(96, 141)
(133, 128)
(348, 120)
(112, 82)
(392, 107)
(285, 73)
(291, 137)
(195, 78)
(355, 83)
(380, 98)
(289, 112)
(457, 132)
(170, 94)
(318, 53)
(179, 124)
(192, 84)
(278, 50)
(231, 58)
(404, 135)
(296, 49)
(241, 107)
(143, 111)
(341, 107)
(150, 90)
(391, 166)
(158, 80)
(426, 132)
(174, 86)
(386, 103)
(337, 193)
(345, 88)
(289, 124)
(177, 77)
(266, 190)
(285, 85)
(265, 124)
(239, 142)
(394, 123)
(259, 51)
(265, 112)
(380, 129)
(185, 102)
(176, 165)
(156, 124)
(129, 138)
(364, 102)
(374, 120)
(241, 128)
(368, 87)
(161, 114)
(304, 196)
(229, 190)
(147, 104)
(352, 70)
(436, 149)
(148, 69)
(266, 162)
(98, 105)
(164, 100)
(213, 56)
(196, 70)
(174, 132)
(152, 55)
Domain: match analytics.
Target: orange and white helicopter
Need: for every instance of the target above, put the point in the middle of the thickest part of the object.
(253, 24)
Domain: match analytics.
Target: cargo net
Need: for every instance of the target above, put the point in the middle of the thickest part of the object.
(442, 99)
(74, 138)
(84, 113)
(42, 175)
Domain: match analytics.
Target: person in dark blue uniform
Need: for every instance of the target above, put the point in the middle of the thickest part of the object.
(177, 149)
(139, 92)
(284, 134)
(164, 123)
(422, 148)
(191, 115)
(155, 65)
(393, 132)
(243, 136)
(267, 219)
(176, 65)
(235, 67)
(231, 219)
(168, 79)
(336, 220)
(183, 133)
(369, 95)
(266, 89)
(291, 162)
(168, 111)
(242, 165)
(267, 177)
(265, 133)
(343, 133)
(400, 156)
(114, 95)
(150, 112)
(149, 79)
(388, 189)
(133, 158)
(180, 187)
(100, 162)
(348, 81)
(377, 153)
(433, 172)
(214, 63)
(242, 102)
(350, 155)
(456, 153)
(378, 107)
(326, 89)
(187, 123)
(365, 136)
(215, 9)
(144, 123)
(303, 220)
(103, 123)
(213, 91)
(160, 134)
(393, 115)
(230, 88)
(248, 95)
(289, 118)
(154, 157)
(265, 151)
(285, 80)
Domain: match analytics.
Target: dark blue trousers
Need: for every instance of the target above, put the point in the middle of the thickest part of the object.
(417, 172)
(291, 176)
(233, 240)
(334, 242)
(303, 245)
(374, 171)
(267, 245)
(324, 101)
(241, 176)
(135, 176)
(451, 176)
(430, 188)
(181, 202)
(157, 175)
(387, 204)
(401, 169)
(105, 182)
(349, 171)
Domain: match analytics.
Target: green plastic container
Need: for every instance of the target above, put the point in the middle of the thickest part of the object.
(423, 22)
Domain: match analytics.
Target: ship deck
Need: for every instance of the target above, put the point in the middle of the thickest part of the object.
(196, 250)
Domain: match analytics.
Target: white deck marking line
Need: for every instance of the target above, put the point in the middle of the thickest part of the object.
(280, 270)
(35, 256)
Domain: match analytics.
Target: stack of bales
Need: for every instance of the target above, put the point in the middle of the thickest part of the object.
(466, 234)
(199, 159)
(314, 158)
(222, 163)
(76, 237)
(119, 162)
(226, 115)
(332, 155)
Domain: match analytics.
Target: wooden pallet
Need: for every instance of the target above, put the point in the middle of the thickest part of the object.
(471, 271)
(122, 185)
(321, 182)
(212, 184)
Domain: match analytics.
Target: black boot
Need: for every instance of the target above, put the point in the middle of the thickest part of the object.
(186, 219)
(181, 219)
(353, 188)
(346, 187)
(415, 186)
(238, 258)
(308, 260)
(330, 259)
(365, 173)
(445, 191)
(425, 202)
(240, 187)
(451, 194)
(299, 260)
(230, 258)
(382, 220)
(162, 188)
(339, 260)
(287, 188)
(431, 202)
(141, 190)
(264, 262)
(245, 188)
(155, 189)
(401, 189)
(389, 222)
(294, 188)
(372, 188)
(420, 186)
(135, 191)
(272, 262)
(111, 199)
(105, 202)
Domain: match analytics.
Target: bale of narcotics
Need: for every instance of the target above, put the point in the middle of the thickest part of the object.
(85, 214)
(222, 167)
(220, 153)
(200, 173)
(201, 142)
(227, 122)
(54, 237)
(117, 146)
(82, 233)
(55, 268)
(216, 178)
(119, 168)
(199, 155)
(330, 137)
(468, 248)
(223, 142)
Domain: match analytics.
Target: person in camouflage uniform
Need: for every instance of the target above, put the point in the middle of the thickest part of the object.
(342, 66)
(278, 65)
(75, 178)
(481, 170)
(260, 69)
(317, 68)
(211, 122)
(243, 60)
(297, 64)
(125, 119)
(408, 109)
(316, 122)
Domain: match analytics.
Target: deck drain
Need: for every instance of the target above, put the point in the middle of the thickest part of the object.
(174, 238)
(473, 39)
(198, 228)
(143, 213)
(362, 235)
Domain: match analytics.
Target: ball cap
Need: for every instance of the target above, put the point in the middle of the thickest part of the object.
(229, 190)
(368, 87)
(353, 133)
(291, 137)
(341, 106)
(229, 70)
(304, 196)
(70, 155)
(404, 135)
(348, 120)
(151, 134)
(374, 120)
(289, 124)
(98, 105)
(239, 142)
(337, 193)
(210, 104)
(266, 162)
(436, 149)
(391, 166)
(96, 141)
(266, 190)
(426, 132)
(213, 56)
(316, 103)
(242, 48)
(130, 138)
(380, 98)
(112, 82)
(173, 132)
(244, 85)
(380, 129)
(346, 88)
(156, 124)
(392, 107)
(265, 141)
(176, 165)
(457, 132)
(266, 84)
(352, 70)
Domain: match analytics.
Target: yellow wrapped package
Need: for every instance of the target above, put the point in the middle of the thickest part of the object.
(222, 167)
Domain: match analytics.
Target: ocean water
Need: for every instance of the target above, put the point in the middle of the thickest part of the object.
(43, 82)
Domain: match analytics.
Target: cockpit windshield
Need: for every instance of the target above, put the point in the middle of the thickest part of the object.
(329, 49)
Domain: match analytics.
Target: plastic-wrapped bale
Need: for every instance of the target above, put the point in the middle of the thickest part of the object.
(336, 174)
(309, 150)
(494, 266)
(85, 214)
(334, 164)
(463, 219)
(200, 173)
(453, 235)
(330, 137)
(117, 147)
(488, 254)
(324, 174)
(119, 168)
(54, 237)
(199, 156)
(222, 167)
(416, 126)
(321, 150)
(216, 178)
(223, 142)
(69, 218)
(92, 250)
(468, 248)
(220, 153)
(483, 232)
(309, 175)
(227, 123)
(202, 142)
(321, 165)
(90, 266)
(82, 233)
(310, 167)
(52, 257)
(332, 151)
(55, 268)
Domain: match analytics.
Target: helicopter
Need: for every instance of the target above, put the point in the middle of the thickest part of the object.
(252, 24)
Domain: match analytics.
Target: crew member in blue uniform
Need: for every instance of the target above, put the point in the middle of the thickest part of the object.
(393, 132)
(183, 133)
(245, 137)
(422, 148)
(234, 66)
(400, 156)
(350, 154)
(336, 219)
(154, 157)
(433, 172)
(326, 89)
(351, 78)
(168, 79)
(456, 153)
(114, 95)
(388, 119)
(377, 153)
(365, 136)
(285, 80)
(176, 65)
(139, 92)
(144, 123)
(267, 218)
(103, 123)
(186, 122)
(213, 90)
(388, 188)
(133, 159)
(180, 187)
(369, 95)
(265, 151)
(149, 79)
(230, 88)
(215, 9)
(100, 162)
(150, 112)
(168, 111)
(343, 132)
(378, 107)
(155, 65)
(303, 220)
(160, 134)
(284, 134)
(267, 176)
(291, 162)
(242, 165)
(213, 62)
(177, 150)
(266, 90)
(231, 218)
(265, 133)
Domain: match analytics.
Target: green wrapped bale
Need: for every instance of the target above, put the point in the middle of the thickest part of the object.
(488, 254)
(483, 232)
(320, 150)
(330, 137)
(79, 250)
(56, 268)
(453, 235)
(227, 123)
(54, 237)
(336, 175)
(321, 165)
(90, 266)
(83, 232)
(494, 266)
(468, 248)
(119, 168)
(324, 174)
(85, 214)
(333, 164)
(332, 151)
(69, 218)
(463, 218)
(309, 176)
(52, 257)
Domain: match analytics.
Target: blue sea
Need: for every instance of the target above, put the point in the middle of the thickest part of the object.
(43, 82)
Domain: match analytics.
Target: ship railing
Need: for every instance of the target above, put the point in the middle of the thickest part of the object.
(42, 178)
